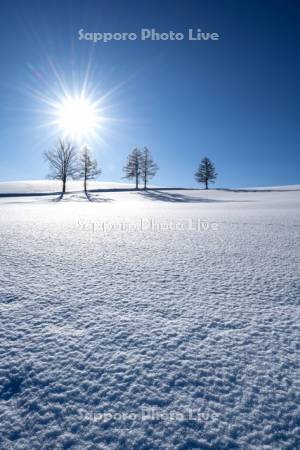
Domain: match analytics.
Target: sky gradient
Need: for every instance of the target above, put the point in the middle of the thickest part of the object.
(236, 100)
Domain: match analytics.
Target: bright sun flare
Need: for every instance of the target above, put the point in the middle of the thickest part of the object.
(77, 117)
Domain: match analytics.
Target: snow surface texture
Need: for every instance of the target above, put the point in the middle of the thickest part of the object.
(159, 320)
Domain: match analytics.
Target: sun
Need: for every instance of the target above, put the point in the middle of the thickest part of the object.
(79, 112)
(77, 117)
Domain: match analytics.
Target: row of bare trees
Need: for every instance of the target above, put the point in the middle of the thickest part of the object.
(140, 166)
(65, 162)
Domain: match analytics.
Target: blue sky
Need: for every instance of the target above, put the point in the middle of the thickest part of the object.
(236, 100)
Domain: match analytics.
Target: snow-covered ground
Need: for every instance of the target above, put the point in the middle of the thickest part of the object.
(50, 186)
(158, 320)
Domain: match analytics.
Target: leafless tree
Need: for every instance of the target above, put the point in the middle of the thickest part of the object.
(132, 168)
(87, 168)
(148, 167)
(62, 162)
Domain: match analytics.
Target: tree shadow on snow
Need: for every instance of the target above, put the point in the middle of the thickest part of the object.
(176, 198)
(81, 197)
(95, 199)
(57, 199)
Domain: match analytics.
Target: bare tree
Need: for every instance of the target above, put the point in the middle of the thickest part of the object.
(87, 168)
(62, 162)
(148, 167)
(132, 168)
(206, 172)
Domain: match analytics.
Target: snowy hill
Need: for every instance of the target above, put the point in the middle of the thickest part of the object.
(166, 319)
(50, 186)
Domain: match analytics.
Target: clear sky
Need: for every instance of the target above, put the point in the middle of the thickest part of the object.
(236, 100)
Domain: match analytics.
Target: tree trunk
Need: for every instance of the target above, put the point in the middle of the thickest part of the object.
(64, 186)
(206, 184)
(136, 182)
(145, 178)
(84, 186)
